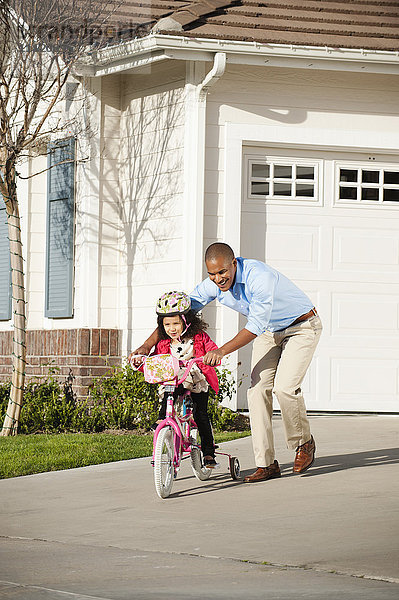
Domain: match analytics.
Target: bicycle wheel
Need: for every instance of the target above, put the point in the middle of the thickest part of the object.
(163, 462)
(201, 472)
(234, 465)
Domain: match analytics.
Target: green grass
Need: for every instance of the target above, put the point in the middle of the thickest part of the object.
(28, 454)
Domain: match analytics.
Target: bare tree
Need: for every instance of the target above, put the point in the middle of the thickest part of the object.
(40, 42)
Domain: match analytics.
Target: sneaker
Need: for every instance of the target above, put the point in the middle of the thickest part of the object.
(210, 462)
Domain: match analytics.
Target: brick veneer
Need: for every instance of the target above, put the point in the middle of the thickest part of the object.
(87, 353)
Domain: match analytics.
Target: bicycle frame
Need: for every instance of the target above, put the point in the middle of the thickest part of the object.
(180, 425)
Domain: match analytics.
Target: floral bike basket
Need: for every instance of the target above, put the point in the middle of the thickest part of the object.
(160, 368)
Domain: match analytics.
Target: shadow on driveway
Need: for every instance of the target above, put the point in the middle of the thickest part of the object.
(341, 462)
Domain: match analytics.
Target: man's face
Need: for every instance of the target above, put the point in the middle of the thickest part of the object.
(222, 272)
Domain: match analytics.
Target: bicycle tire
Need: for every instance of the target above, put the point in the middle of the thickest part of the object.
(163, 462)
(234, 465)
(201, 472)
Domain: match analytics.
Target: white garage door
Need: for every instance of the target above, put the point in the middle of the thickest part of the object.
(331, 223)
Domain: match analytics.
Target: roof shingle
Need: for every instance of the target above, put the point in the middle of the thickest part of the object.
(366, 24)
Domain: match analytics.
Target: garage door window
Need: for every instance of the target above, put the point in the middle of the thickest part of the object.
(367, 185)
(282, 180)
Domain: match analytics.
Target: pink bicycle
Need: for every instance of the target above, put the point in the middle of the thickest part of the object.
(176, 437)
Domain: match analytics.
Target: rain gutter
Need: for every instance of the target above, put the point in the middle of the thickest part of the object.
(197, 88)
(155, 47)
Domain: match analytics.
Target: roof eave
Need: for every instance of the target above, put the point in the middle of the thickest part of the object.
(127, 56)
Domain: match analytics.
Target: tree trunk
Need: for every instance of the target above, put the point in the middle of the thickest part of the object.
(10, 425)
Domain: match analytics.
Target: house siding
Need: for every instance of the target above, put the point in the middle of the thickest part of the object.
(110, 203)
(152, 184)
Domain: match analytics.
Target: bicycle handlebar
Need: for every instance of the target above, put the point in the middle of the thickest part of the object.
(182, 363)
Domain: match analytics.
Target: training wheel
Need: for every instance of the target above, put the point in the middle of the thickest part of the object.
(234, 465)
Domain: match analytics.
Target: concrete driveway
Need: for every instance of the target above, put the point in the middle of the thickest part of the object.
(102, 532)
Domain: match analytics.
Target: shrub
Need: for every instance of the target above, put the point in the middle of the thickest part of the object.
(224, 419)
(4, 397)
(121, 399)
(124, 399)
(127, 401)
(49, 406)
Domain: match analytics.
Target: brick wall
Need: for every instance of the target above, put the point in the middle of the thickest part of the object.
(87, 353)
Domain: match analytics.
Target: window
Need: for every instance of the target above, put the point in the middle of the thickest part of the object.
(369, 185)
(5, 269)
(60, 229)
(281, 179)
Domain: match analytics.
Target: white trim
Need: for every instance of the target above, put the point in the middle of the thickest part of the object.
(136, 53)
(88, 206)
(360, 166)
(24, 198)
(196, 89)
(260, 199)
(194, 162)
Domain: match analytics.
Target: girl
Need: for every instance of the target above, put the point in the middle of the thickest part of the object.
(182, 334)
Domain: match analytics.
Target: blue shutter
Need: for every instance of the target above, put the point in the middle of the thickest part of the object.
(5, 269)
(60, 229)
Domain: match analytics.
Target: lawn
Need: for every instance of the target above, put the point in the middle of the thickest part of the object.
(28, 454)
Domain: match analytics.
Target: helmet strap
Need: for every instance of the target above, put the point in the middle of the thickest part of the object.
(187, 326)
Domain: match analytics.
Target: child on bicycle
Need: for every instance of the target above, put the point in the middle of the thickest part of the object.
(183, 335)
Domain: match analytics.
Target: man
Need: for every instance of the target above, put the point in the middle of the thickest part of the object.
(285, 329)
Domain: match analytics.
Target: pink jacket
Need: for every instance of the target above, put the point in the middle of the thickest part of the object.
(202, 344)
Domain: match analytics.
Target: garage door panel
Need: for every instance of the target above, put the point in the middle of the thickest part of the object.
(290, 246)
(366, 316)
(372, 384)
(366, 250)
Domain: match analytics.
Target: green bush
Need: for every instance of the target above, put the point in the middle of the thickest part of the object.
(122, 399)
(4, 396)
(49, 406)
(224, 419)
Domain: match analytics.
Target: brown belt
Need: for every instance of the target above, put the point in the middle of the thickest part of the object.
(305, 317)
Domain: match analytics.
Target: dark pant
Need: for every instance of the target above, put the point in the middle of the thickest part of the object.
(201, 417)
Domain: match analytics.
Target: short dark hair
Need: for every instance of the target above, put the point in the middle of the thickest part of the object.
(219, 249)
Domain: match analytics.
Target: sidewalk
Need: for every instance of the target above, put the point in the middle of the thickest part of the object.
(102, 532)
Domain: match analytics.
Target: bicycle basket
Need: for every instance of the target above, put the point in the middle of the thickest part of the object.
(160, 368)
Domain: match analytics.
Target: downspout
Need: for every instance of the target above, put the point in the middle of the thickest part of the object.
(194, 165)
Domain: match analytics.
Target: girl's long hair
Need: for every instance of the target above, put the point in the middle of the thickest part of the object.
(193, 319)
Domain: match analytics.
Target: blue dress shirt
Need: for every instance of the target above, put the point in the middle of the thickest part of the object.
(269, 299)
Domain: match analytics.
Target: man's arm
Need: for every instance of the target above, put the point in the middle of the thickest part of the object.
(147, 346)
(202, 294)
(242, 338)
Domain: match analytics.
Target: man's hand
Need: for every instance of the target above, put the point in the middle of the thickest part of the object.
(213, 358)
(135, 358)
(242, 338)
(144, 348)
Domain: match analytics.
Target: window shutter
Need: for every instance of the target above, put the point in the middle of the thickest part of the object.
(5, 269)
(60, 229)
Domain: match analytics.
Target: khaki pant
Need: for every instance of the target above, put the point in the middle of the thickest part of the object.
(279, 364)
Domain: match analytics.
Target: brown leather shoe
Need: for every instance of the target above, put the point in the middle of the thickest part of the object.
(264, 473)
(304, 456)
